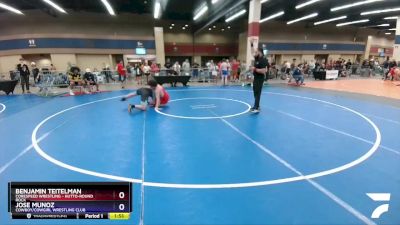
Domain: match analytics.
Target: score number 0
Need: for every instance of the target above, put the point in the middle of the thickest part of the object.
(121, 206)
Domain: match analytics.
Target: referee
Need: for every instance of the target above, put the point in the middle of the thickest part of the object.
(259, 69)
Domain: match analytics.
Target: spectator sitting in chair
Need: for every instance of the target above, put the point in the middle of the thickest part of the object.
(298, 75)
(90, 80)
(75, 79)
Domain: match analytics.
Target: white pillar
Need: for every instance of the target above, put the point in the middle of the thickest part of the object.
(253, 28)
(242, 51)
(160, 50)
(368, 47)
(396, 49)
(110, 59)
(197, 59)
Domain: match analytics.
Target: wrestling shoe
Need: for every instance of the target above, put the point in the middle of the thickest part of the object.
(254, 110)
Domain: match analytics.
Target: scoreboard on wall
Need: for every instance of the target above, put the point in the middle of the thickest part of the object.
(83, 200)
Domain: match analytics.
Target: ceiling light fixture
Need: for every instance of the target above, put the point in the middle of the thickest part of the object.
(272, 16)
(380, 11)
(108, 7)
(352, 22)
(306, 3)
(236, 15)
(9, 8)
(330, 20)
(157, 10)
(54, 5)
(384, 25)
(388, 33)
(354, 4)
(394, 29)
(302, 18)
(201, 12)
(214, 1)
(391, 18)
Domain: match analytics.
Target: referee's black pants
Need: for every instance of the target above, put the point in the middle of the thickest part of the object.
(257, 88)
(25, 82)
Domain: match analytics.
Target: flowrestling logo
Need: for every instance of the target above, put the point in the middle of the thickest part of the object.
(32, 43)
(380, 197)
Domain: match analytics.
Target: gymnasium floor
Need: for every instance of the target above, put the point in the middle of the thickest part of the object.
(309, 157)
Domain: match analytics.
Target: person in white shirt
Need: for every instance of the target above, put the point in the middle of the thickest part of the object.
(186, 67)
(312, 64)
(146, 70)
(212, 69)
(177, 68)
(287, 64)
(224, 71)
(287, 68)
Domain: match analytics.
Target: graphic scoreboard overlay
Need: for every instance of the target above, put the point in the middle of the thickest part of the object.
(70, 200)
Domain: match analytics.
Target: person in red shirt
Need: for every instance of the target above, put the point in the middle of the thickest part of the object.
(121, 73)
(235, 69)
(156, 92)
(394, 73)
(161, 96)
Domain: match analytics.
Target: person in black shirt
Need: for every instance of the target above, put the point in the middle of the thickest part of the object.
(24, 75)
(75, 79)
(168, 67)
(90, 80)
(35, 73)
(348, 67)
(259, 69)
(108, 74)
(195, 69)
